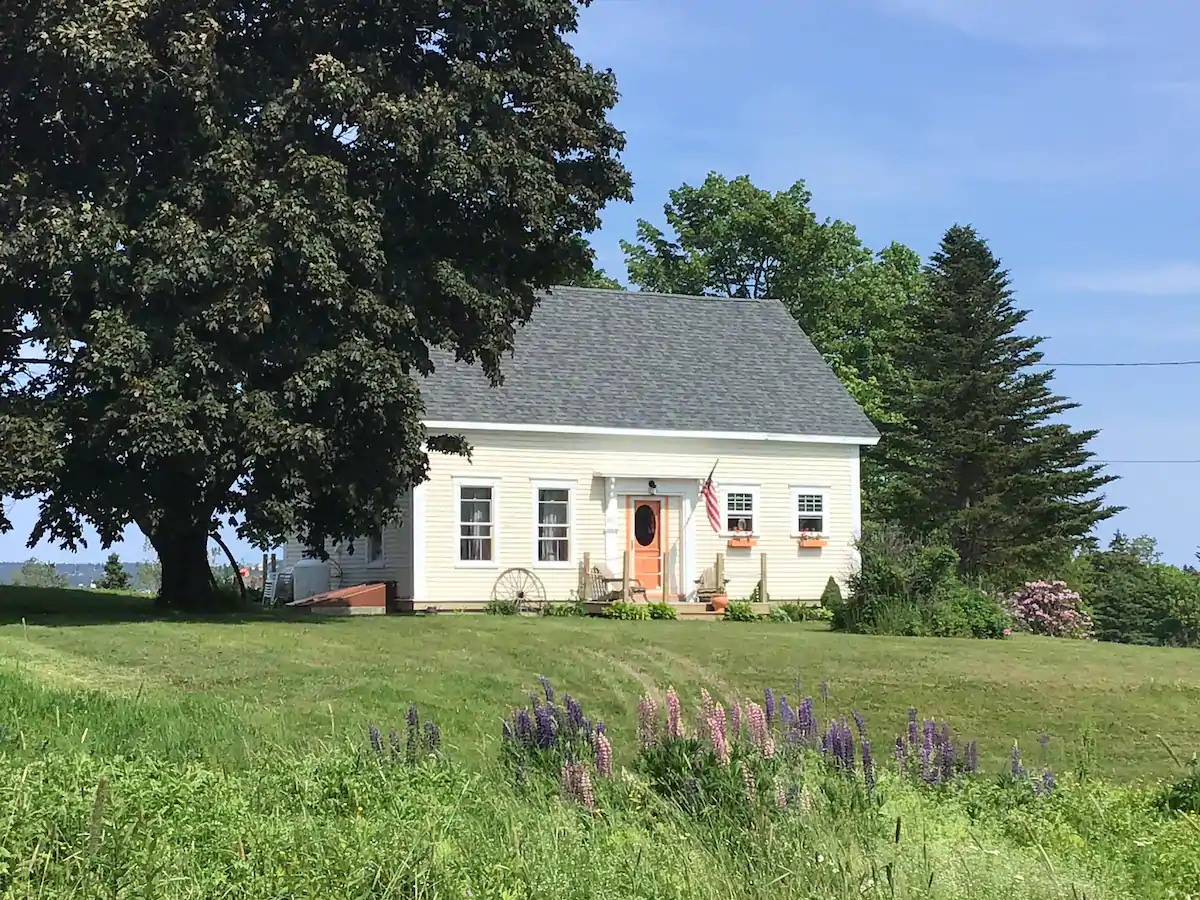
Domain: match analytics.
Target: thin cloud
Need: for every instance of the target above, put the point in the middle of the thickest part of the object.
(1170, 280)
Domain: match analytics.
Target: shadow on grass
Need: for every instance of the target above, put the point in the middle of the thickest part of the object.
(69, 607)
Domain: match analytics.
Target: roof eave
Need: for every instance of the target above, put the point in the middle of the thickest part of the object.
(859, 440)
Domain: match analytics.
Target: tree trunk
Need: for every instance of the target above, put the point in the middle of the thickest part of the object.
(187, 582)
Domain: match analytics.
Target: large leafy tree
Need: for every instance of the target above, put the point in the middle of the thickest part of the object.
(985, 457)
(232, 230)
(732, 238)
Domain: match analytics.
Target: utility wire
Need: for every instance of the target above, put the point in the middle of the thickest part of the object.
(1119, 365)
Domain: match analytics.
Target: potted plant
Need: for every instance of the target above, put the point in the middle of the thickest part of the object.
(811, 539)
(718, 602)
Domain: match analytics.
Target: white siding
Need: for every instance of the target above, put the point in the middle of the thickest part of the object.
(515, 462)
(352, 568)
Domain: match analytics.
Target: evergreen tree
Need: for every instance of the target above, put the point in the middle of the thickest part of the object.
(115, 578)
(985, 459)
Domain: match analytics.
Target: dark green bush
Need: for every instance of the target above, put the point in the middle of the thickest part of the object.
(910, 587)
(832, 595)
(1183, 794)
(740, 611)
(661, 610)
(629, 612)
(1135, 602)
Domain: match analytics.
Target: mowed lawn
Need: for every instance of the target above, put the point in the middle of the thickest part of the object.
(243, 686)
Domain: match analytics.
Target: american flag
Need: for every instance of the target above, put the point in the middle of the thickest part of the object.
(709, 492)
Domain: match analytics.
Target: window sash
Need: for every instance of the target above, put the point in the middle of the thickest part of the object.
(553, 525)
(375, 546)
(739, 511)
(476, 523)
(810, 512)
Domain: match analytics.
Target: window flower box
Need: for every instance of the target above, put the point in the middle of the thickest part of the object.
(810, 540)
(741, 541)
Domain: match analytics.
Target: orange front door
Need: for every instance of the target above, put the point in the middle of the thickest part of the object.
(646, 527)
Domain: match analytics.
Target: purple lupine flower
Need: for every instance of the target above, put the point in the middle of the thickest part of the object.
(929, 774)
(545, 682)
(1016, 769)
(769, 705)
(1048, 782)
(1043, 739)
(599, 726)
(912, 726)
(868, 763)
(433, 737)
(376, 739)
(947, 754)
(806, 722)
(859, 723)
(524, 727)
(410, 742)
(848, 758)
(547, 727)
(901, 753)
(786, 716)
(394, 740)
(574, 712)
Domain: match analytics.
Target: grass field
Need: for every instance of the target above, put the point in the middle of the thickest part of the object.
(261, 681)
(181, 759)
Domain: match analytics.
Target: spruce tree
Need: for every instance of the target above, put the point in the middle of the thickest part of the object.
(986, 460)
(115, 577)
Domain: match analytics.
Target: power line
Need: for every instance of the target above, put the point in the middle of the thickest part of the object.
(1120, 365)
(1148, 462)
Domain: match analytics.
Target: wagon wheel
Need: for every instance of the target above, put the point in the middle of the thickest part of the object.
(521, 588)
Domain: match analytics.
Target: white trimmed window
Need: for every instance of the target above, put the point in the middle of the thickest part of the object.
(476, 523)
(374, 545)
(810, 510)
(741, 509)
(552, 523)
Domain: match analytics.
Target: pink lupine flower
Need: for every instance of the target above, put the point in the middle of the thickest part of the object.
(751, 788)
(721, 722)
(780, 797)
(647, 727)
(604, 754)
(757, 724)
(768, 747)
(735, 720)
(577, 785)
(720, 744)
(706, 704)
(674, 716)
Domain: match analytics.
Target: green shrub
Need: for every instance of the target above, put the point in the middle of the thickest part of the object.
(1183, 794)
(740, 611)
(500, 607)
(629, 612)
(1134, 602)
(831, 597)
(561, 610)
(661, 610)
(775, 614)
(968, 612)
(911, 588)
(804, 612)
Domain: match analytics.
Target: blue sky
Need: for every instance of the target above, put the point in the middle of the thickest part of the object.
(1066, 131)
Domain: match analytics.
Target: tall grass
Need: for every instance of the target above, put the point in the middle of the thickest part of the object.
(116, 797)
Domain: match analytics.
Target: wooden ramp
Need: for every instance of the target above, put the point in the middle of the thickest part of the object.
(359, 600)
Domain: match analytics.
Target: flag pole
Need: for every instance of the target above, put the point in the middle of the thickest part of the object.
(697, 503)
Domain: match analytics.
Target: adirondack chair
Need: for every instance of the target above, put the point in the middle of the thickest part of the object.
(608, 586)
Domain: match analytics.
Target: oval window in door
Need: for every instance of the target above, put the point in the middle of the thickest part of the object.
(645, 525)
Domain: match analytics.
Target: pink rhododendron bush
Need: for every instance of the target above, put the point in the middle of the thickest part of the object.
(1050, 608)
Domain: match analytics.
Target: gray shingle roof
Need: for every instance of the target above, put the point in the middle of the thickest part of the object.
(621, 359)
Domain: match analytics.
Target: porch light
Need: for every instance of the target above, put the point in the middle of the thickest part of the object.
(653, 488)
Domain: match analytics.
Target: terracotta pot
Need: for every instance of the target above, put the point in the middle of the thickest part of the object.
(719, 602)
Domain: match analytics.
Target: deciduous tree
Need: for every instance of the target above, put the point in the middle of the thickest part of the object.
(985, 457)
(233, 230)
(35, 573)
